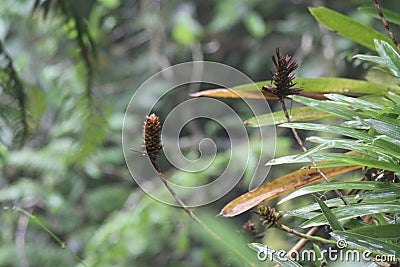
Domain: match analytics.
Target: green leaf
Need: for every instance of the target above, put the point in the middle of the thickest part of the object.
(364, 185)
(329, 216)
(357, 134)
(327, 85)
(321, 261)
(388, 57)
(372, 244)
(394, 98)
(348, 212)
(264, 252)
(348, 144)
(331, 160)
(224, 241)
(359, 103)
(348, 27)
(296, 114)
(379, 231)
(374, 59)
(377, 76)
(388, 129)
(390, 15)
(376, 196)
(363, 160)
(338, 109)
(351, 107)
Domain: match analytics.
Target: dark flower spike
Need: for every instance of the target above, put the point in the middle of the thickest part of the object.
(152, 138)
(283, 77)
(268, 216)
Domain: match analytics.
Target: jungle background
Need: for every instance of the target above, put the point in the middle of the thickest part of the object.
(69, 69)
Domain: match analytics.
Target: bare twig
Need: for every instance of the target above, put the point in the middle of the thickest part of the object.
(62, 244)
(303, 241)
(386, 24)
(300, 142)
(153, 147)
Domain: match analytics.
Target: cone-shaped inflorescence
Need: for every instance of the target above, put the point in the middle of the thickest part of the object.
(268, 216)
(152, 138)
(282, 79)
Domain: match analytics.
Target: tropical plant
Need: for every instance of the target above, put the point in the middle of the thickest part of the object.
(363, 132)
(67, 71)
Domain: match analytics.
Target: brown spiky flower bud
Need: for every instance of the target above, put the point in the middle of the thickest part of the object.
(283, 77)
(152, 138)
(268, 216)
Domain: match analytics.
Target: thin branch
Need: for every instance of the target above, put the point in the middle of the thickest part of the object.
(386, 24)
(303, 241)
(300, 142)
(322, 240)
(46, 229)
(152, 145)
(197, 219)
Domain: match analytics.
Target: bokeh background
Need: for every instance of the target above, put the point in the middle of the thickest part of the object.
(70, 172)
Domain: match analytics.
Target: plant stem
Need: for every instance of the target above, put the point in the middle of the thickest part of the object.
(300, 142)
(183, 206)
(386, 24)
(313, 230)
(311, 237)
(197, 219)
(303, 241)
(53, 235)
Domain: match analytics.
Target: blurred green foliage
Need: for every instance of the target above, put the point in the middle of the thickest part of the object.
(78, 64)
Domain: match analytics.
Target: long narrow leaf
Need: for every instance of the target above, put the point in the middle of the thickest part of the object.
(312, 88)
(364, 185)
(379, 231)
(388, 129)
(348, 212)
(366, 149)
(357, 134)
(390, 55)
(354, 102)
(346, 27)
(335, 108)
(329, 216)
(376, 196)
(350, 160)
(296, 114)
(390, 15)
(326, 85)
(374, 75)
(280, 186)
(372, 244)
